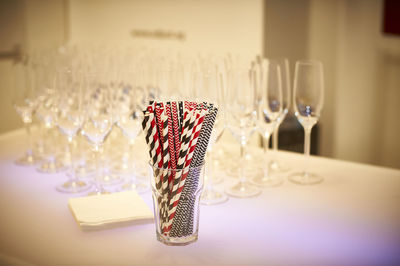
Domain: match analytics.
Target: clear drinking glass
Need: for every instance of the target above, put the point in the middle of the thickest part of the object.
(241, 120)
(99, 120)
(308, 100)
(25, 103)
(176, 209)
(269, 109)
(69, 121)
(276, 165)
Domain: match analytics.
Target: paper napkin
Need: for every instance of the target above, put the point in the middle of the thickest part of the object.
(109, 211)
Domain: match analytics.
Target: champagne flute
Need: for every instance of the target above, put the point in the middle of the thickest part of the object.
(241, 119)
(69, 121)
(25, 103)
(47, 113)
(269, 109)
(129, 117)
(308, 100)
(99, 120)
(275, 164)
(213, 82)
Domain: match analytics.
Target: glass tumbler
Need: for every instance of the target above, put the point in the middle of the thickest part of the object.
(176, 198)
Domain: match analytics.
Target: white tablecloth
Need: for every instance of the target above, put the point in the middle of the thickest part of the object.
(353, 217)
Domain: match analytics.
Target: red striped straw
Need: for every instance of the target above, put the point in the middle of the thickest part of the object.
(156, 147)
(159, 111)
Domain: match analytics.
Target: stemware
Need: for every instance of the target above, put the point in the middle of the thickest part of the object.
(269, 109)
(47, 113)
(213, 85)
(275, 164)
(241, 120)
(25, 103)
(84, 165)
(128, 104)
(99, 120)
(308, 100)
(69, 121)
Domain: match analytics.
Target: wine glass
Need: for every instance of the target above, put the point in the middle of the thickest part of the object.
(99, 120)
(25, 102)
(269, 109)
(241, 119)
(275, 164)
(213, 88)
(129, 116)
(69, 121)
(308, 100)
(45, 73)
(47, 112)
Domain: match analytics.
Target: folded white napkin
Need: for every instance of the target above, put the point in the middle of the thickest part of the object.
(108, 211)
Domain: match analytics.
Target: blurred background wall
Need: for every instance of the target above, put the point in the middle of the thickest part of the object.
(25, 25)
(362, 65)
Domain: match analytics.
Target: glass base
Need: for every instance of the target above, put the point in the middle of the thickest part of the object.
(177, 241)
(121, 168)
(75, 186)
(217, 178)
(50, 167)
(102, 192)
(83, 171)
(263, 181)
(234, 171)
(305, 178)
(111, 179)
(278, 167)
(28, 160)
(212, 197)
(65, 159)
(140, 187)
(243, 190)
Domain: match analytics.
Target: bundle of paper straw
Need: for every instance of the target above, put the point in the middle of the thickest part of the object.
(177, 134)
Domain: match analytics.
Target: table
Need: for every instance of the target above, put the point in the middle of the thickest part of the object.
(353, 217)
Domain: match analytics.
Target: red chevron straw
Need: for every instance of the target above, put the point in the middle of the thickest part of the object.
(190, 105)
(171, 144)
(174, 112)
(159, 107)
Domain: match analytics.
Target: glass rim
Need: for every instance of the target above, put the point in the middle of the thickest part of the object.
(177, 169)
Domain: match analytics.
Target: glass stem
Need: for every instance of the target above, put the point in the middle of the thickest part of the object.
(50, 145)
(307, 140)
(209, 169)
(242, 160)
(70, 148)
(41, 147)
(132, 161)
(275, 137)
(266, 146)
(307, 144)
(96, 153)
(29, 151)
